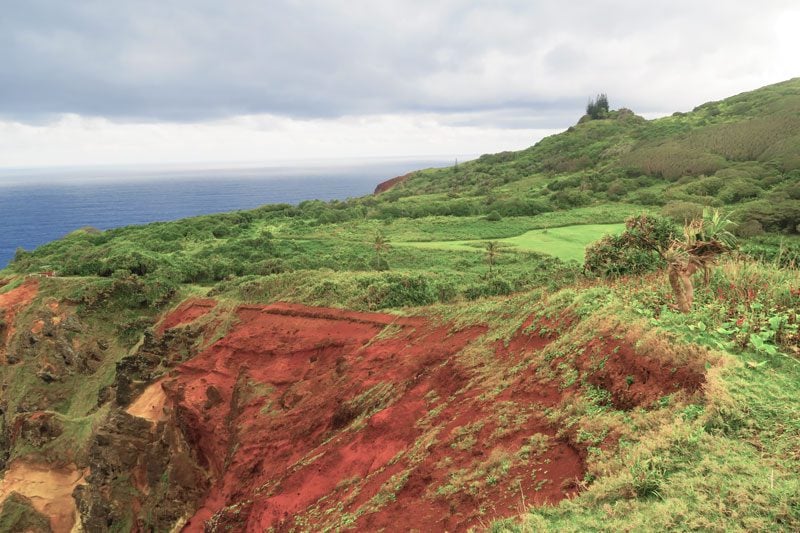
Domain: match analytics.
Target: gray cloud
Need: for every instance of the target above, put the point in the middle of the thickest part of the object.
(508, 64)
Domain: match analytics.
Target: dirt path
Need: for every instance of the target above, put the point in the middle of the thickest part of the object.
(50, 490)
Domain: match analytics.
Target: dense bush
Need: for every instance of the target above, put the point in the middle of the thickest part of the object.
(612, 256)
(125, 290)
(738, 190)
(492, 286)
(635, 251)
(570, 198)
(749, 228)
(780, 216)
(682, 211)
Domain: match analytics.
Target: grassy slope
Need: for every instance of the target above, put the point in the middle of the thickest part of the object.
(726, 464)
(741, 153)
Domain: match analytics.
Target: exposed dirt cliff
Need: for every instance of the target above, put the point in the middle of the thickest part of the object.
(388, 184)
(296, 418)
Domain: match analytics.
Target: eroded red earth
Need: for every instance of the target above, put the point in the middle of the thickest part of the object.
(307, 418)
(187, 312)
(11, 303)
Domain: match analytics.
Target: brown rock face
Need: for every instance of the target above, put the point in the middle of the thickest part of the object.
(388, 184)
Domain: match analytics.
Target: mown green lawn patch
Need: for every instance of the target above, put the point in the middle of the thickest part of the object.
(567, 242)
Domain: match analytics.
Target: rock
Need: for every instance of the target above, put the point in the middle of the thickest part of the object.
(154, 356)
(142, 471)
(37, 429)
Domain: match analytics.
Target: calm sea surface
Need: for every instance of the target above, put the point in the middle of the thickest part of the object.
(35, 209)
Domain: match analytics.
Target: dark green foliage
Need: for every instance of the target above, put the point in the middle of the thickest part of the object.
(402, 291)
(598, 108)
(782, 251)
(612, 256)
(749, 228)
(738, 190)
(637, 250)
(571, 198)
(681, 212)
(491, 286)
(126, 290)
(777, 215)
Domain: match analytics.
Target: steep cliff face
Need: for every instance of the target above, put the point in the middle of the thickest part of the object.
(388, 184)
(245, 418)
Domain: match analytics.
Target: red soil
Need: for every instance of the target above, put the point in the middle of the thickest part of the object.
(14, 301)
(187, 312)
(636, 379)
(298, 410)
(388, 184)
(523, 341)
(308, 418)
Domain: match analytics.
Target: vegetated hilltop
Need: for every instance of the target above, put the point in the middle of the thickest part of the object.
(431, 357)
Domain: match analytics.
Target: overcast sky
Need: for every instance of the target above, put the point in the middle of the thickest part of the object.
(169, 81)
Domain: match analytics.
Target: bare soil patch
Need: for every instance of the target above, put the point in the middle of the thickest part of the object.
(49, 488)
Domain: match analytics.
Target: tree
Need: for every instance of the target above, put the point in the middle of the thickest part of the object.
(492, 251)
(649, 242)
(704, 240)
(381, 245)
(598, 108)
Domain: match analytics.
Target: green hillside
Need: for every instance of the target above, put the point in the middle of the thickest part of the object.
(496, 244)
(740, 153)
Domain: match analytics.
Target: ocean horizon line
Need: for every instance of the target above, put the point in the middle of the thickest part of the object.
(16, 176)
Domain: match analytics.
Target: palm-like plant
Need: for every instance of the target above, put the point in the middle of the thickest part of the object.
(704, 240)
(380, 244)
(492, 251)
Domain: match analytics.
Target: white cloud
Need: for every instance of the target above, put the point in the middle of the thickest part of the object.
(247, 80)
(76, 140)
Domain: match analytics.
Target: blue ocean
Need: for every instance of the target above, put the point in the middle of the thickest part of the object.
(39, 206)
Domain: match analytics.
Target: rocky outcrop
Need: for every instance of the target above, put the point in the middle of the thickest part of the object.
(154, 357)
(142, 474)
(55, 347)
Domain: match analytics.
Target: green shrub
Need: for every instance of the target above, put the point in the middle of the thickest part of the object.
(739, 190)
(570, 198)
(774, 215)
(635, 251)
(749, 228)
(682, 211)
(612, 256)
(400, 290)
(492, 286)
